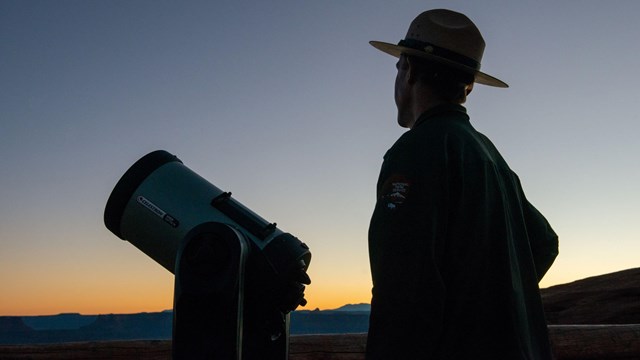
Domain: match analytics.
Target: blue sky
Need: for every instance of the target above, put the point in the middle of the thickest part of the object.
(285, 104)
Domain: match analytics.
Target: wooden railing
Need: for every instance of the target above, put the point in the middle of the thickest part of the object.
(570, 342)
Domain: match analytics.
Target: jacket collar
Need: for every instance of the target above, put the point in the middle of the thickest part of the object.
(442, 110)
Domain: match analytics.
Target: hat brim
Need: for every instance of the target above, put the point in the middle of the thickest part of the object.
(395, 50)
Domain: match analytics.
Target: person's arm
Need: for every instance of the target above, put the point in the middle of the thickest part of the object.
(542, 239)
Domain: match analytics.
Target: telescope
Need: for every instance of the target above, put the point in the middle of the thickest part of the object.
(237, 276)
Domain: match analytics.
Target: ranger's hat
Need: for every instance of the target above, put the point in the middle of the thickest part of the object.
(445, 36)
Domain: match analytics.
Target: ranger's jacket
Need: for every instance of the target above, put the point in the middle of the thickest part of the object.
(456, 250)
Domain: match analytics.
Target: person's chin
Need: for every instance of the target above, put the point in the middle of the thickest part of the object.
(403, 123)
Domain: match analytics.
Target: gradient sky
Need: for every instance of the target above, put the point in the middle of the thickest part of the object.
(285, 104)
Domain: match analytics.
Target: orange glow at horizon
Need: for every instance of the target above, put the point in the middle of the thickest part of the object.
(91, 285)
(88, 298)
(40, 299)
(133, 296)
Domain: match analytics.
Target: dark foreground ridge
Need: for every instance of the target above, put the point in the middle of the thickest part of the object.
(606, 299)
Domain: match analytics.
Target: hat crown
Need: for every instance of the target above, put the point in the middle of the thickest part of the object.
(449, 30)
(447, 37)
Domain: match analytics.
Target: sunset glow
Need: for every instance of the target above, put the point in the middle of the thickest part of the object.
(287, 105)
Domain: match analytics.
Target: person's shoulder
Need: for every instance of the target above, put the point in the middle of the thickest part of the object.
(444, 131)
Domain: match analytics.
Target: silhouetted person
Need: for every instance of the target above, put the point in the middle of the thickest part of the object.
(456, 249)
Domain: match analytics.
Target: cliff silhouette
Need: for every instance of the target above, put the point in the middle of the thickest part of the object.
(605, 299)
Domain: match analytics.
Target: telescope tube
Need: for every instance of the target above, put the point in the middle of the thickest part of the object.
(159, 200)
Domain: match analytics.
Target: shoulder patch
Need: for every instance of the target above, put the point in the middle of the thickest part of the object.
(395, 191)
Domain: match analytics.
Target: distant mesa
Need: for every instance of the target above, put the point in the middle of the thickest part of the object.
(354, 307)
(12, 325)
(64, 321)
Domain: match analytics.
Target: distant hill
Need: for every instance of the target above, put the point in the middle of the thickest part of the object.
(67, 321)
(353, 307)
(329, 322)
(605, 299)
(143, 326)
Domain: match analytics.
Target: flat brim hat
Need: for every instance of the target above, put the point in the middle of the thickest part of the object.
(447, 37)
